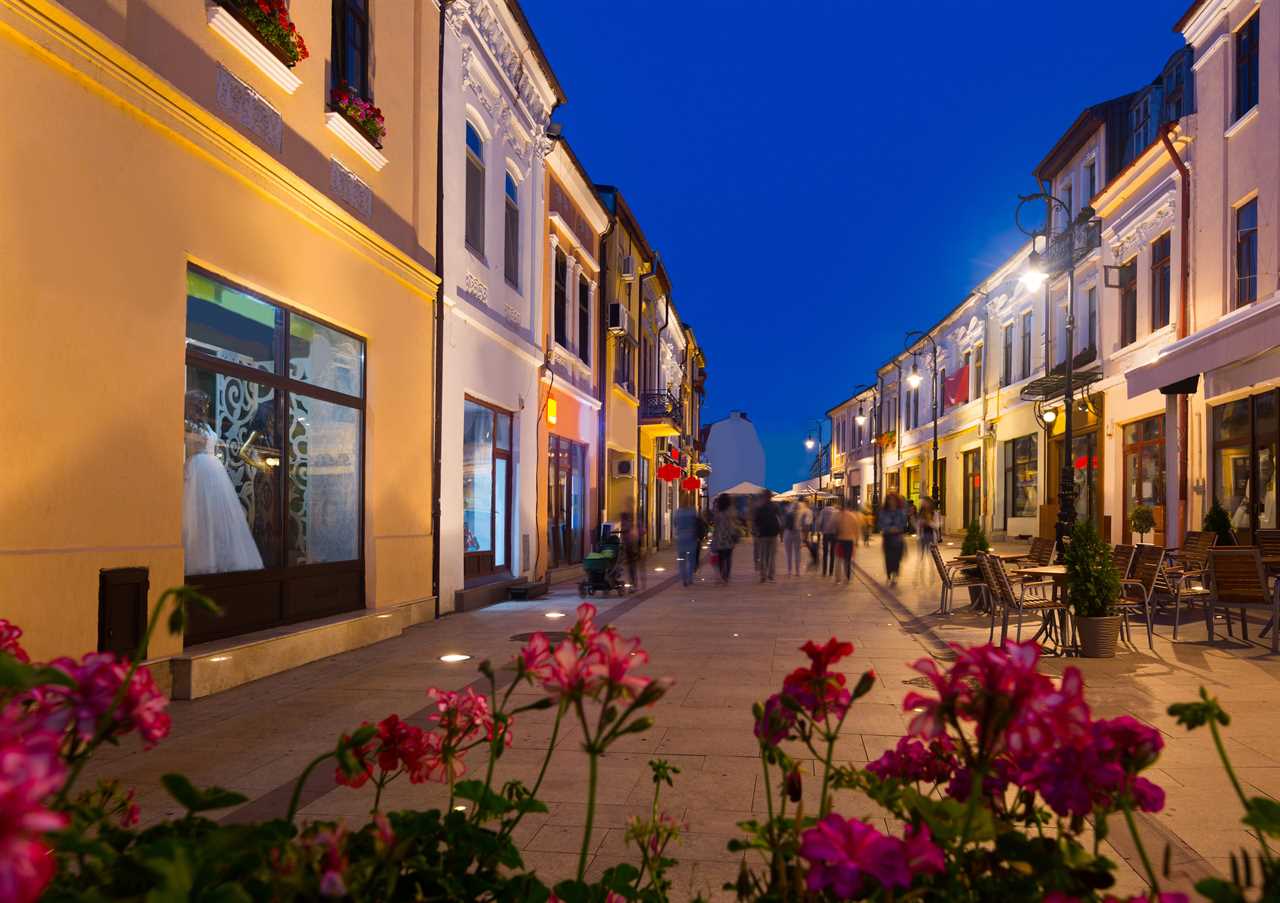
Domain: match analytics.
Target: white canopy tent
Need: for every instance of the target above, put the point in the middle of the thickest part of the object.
(743, 488)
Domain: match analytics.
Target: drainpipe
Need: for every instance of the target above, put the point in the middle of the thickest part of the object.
(602, 357)
(1184, 320)
(437, 414)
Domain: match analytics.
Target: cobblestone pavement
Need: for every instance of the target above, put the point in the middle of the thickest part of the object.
(726, 647)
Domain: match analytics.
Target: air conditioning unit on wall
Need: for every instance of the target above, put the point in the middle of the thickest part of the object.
(623, 468)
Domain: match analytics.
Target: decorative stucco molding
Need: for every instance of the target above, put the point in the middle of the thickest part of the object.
(1159, 219)
(476, 287)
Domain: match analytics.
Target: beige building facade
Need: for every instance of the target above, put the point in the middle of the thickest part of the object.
(220, 306)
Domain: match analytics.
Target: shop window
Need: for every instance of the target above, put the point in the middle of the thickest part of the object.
(566, 500)
(1245, 437)
(1091, 322)
(1161, 282)
(623, 364)
(274, 425)
(474, 226)
(1144, 466)
(1247, 253)
(486, 489)
(1021, 472)
(913, 484)
(351, 45)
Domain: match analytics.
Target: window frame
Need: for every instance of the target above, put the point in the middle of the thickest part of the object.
(1006, 372)
(1245, 238)
(1091, 317)
(584, 318)
(474, 162)
(1128, 306)
(1161, 281)
(1013, 459)
(560, 298)
(359, 10)
(1028, 327)
(1246, 69)
(471, 559)
(510, 235)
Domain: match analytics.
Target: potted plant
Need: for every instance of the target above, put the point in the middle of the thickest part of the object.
(270, 23)
(974, 540)
(1093, 588)
(1216, 520)
(1142, 520)
(362, 114)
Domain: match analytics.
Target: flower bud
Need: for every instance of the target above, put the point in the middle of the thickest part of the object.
(793, 785)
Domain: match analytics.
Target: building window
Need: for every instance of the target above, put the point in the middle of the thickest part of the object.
(1091, 303)
(1006, 365)
(1068, 197)
(1129, 303)
(560, 300)
(1143, 467)
(623, 365)
(1020, 470)
(1247, 253)
(273, 480)
(584, 319)
(1247, 66)
(972, 487)
(940, 393)
(979, 387)
(566, 499)
(511, 263)
(486, 488)
(351, 45)
(1091, 180)
(1026, 344)
(475, 190)
(1161, 286)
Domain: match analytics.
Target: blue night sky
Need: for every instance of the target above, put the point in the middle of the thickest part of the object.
(821, 177)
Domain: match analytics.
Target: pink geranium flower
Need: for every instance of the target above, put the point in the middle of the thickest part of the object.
(611, 661)
(842, 853)
(10, 633)
(31, 771)
(99, 677)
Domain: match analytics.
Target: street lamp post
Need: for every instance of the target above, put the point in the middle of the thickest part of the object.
(817, 450)
(1038, 273)
(914, 380)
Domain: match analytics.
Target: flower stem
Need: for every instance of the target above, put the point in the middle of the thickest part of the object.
(975, 785)
(1142, 850)
(302, 779)
(1235, 781)
(542, 772)
(592, 776)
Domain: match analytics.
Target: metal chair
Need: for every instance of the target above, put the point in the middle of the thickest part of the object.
(1268, 541)
(991, 589)
(1028, 599)
(1140, 589)
(1238, 579)
(952, 575)
(1041, 551)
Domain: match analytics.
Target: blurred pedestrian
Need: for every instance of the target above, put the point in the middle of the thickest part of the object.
(893, 525)
(827, 527)
(848, 528)
(766, 525)
(631, 537)
(926, 527)
(795, 528)
(725, 533)
(687, 536)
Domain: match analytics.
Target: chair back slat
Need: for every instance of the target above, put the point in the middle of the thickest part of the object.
(1237, 576)
(1268, 541)
(1122, 558)
(1146, 566)
(1002, 578)
(1041, 551)
(939, 563)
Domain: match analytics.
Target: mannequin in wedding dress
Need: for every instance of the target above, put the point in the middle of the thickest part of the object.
(215, 531)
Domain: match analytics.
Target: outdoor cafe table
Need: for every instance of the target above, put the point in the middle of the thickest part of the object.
(1003, 556)
(1058, 574)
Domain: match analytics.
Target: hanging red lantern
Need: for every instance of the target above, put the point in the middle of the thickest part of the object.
(691, 484)
(675, 453)
(668, 472)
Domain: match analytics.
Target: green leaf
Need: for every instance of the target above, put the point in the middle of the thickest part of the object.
(1263, 813)
(196, 800)
(1192, 715)
(173, 872)
(1219, 891)
(19, 676)
(488, 803)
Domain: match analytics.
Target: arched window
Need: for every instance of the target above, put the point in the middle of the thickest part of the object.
(511, 265)
(475, 190)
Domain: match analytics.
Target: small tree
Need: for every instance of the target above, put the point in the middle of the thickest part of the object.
(1093, 585)
(1142, 520)
(974, 540)
(1217, 521)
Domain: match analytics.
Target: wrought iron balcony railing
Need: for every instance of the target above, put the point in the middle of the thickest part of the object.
(1072, 245)
(659, 406)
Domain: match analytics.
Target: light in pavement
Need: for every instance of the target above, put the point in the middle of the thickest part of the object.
(452, 657)
(658, 570)
(554, 614)
(219, 658)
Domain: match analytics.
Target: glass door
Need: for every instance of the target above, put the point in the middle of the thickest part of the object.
(1144, 472)
(972, 486)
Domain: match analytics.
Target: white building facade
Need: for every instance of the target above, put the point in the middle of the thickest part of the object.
(498, 96)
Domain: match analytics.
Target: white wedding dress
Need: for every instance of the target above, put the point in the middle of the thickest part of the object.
(215, 532)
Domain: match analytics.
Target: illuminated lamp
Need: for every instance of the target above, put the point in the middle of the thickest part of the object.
(551, 411)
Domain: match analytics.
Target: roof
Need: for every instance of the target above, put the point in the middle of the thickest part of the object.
(854, 397)
(1088, 122)
(613, 202)
(1189, 15)
(538, 52)
(582, 170)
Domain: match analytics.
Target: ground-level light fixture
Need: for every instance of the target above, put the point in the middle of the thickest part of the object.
(658, 570)
(452, 657)
(554, 614)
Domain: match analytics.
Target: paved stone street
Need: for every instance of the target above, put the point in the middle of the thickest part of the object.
(726, 647)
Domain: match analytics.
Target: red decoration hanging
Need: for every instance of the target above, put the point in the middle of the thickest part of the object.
(675, 453)
(691, 484)
(668, 472)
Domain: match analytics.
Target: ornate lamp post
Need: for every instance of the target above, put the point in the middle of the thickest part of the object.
(914, 381)
(1059, 256)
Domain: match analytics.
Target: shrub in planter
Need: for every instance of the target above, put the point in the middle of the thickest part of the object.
(1216, 520)
(974, 540)
(1093, 589)
(1142, 520)
(269, 20)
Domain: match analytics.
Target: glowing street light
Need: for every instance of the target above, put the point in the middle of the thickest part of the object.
(1034, 276)
(914, 379)
(860, 418)
(809, 443)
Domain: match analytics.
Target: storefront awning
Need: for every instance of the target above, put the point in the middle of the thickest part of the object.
(1238, 336)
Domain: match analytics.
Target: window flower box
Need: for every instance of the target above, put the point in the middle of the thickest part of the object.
(358, 123)
(263, 32)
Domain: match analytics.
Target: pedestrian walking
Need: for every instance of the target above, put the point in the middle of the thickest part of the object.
(687, 536)
(725, 533)
(893, 525)
(848, 528)
(766, 525)
(795, 529)
(868, 524)
(827, 527)
(631, 537)
(927, 526)
(703, 529)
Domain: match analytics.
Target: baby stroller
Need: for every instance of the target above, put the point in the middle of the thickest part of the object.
(602, 569)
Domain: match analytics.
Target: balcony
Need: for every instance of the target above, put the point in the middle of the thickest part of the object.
(661, 414)
(1072, 245)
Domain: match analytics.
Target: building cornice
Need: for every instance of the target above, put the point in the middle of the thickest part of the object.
(64, 40)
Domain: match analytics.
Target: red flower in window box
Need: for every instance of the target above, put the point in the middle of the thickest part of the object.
(360, 113)
(270, 23)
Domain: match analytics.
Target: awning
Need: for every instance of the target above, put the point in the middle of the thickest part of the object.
(1238, 336)
(743, 488)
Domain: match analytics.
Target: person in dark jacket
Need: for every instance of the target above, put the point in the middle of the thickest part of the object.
(766, 524)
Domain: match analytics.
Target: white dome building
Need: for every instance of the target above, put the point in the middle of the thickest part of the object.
(734, 452)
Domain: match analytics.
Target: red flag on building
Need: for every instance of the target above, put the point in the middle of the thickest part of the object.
(957, 388)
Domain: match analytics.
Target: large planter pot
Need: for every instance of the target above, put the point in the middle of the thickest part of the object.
(1098, 636)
